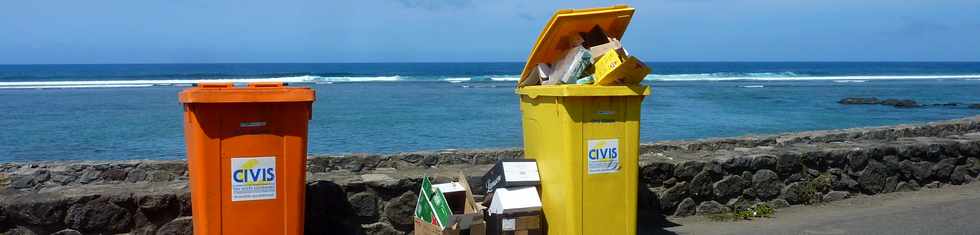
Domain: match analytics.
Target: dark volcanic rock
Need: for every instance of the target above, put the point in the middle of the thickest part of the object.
(649, 199)
(400, 211)
(900, 103)
(19, 230)
(22, 181)
(98, 215)
(909, 186)
(946, 104)
(844, 182)
(159, 176)
(920, 170)
(673, 195)
(380, 228)
(89, 175)
(701, 185)
(872, 178)
(892, 164)
(711, 207)
(67, 231)
(788, 163)
(961, 175)
(136, 175)
(63, 178)
(973, 164)
(687, 170)
(741, 203)
(113, 175)
(365, 205)
(45, 212)
(764, 162)
(796, 193)
(857, 160)
(157, 202)
(891, 183)
(729, 187)
(738, 164)
(658, 172)
(331, 210)
(835, 196)
(766, 184)
(903, 103)
(859, 100)
(974, 106)
(944, 168)
(184, 202)
(778, 203)
(687, 207)
(179, 226)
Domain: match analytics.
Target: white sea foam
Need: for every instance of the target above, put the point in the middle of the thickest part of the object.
(186, 82)
(359, 79)
(774, 77)
(312, 79)
(505, 78)
(753, 86)
(456, 80)
(73, 86)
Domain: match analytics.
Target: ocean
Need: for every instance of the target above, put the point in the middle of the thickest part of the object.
(130, 111)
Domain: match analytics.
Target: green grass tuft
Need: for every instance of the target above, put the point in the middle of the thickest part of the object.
(758, 211)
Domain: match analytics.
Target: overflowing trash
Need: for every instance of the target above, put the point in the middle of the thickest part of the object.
(592, 57)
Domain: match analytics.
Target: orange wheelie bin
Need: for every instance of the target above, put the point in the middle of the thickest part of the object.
(246, 149)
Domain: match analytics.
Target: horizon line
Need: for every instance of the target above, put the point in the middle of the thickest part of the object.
(519, 62)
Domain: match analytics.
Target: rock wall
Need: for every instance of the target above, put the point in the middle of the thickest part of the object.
(375, 194)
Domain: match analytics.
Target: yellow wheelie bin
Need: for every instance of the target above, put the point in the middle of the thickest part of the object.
(585, 138)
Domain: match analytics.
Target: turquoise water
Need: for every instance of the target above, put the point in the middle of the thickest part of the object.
(70, 112)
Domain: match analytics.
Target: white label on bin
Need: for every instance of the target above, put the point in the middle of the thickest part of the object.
(253, 178)
(603, 156)
(508, 224)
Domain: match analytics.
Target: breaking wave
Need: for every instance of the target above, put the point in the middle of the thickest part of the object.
(790, 76)
(316, 79)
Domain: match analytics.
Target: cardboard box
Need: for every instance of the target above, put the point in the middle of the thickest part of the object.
(511, 173)
(467, 217)
(599, 42)
(616, 67)
(540, 74)
(598, 51)
(515, 211)
(514, 224)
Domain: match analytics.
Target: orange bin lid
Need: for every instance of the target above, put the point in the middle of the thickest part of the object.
(551, 43)
(263, 92)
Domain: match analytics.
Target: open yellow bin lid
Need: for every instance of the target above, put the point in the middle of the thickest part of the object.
(551, 46)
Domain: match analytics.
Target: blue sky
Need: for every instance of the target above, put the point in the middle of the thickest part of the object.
(206, 31)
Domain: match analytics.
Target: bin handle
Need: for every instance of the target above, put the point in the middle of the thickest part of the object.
(265, 85)
(215, 85)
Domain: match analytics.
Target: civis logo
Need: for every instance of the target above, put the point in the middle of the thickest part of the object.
(253, 178)
(601, 150)
(603, 156)
(251, 175)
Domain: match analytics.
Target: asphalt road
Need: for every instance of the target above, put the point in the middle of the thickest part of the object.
(947, 210)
